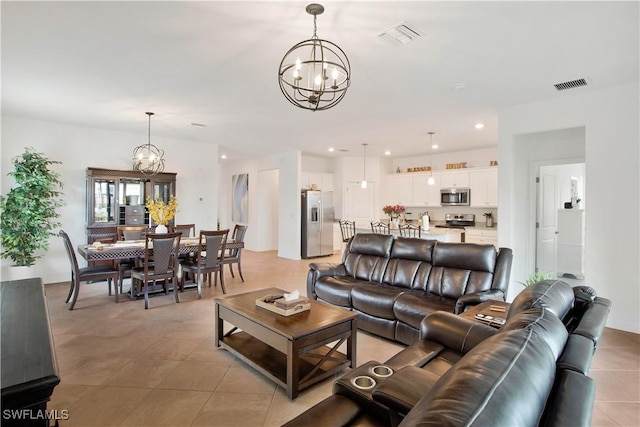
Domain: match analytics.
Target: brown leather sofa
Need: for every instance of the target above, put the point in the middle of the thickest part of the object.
(530, 372)
(393, 283)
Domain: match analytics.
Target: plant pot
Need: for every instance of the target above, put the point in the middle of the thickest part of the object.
(19, 272)
(161, 229)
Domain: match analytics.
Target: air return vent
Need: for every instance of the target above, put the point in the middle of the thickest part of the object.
(400, 34)
(571, 84)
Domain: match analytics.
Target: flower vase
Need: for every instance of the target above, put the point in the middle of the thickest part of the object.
(161, 229)
(394, 223)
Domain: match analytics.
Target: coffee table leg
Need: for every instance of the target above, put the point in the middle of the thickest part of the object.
(293, 369)
(352, 344)
(218, 326)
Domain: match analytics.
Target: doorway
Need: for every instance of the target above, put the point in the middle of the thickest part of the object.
(557, 185)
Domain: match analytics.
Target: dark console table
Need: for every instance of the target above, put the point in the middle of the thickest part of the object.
(29, 370)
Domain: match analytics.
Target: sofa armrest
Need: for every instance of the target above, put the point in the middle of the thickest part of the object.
(476, 298)
(454, 332)
(594, 319)
(320, 269)
(402, 390)
(577, 354)
(570, 401)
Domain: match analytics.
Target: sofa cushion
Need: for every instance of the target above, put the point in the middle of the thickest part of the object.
(413, 249)
(412, 306)
(335, 290)
(480, 390)
(542, 322)
(375, 299)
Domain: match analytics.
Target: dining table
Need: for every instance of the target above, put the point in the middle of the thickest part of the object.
(134, 249)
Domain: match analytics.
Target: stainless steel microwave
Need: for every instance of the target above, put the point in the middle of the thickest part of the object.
(454, 196)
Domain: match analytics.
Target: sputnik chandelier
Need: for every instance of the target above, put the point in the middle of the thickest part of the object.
(314, 74)
(147, 158)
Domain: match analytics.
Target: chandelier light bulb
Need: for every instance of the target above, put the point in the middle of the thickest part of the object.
(363, 184)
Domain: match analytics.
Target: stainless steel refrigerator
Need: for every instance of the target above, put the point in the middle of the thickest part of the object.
(317, 224)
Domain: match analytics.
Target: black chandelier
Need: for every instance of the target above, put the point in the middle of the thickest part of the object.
(314, 74)
(147, 158)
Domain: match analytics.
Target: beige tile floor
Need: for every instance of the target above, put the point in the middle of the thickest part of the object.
(123, 365)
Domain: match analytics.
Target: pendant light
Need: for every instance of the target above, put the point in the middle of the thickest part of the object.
(315, 73)
(363, 184)
(431, 180)
(147, 158)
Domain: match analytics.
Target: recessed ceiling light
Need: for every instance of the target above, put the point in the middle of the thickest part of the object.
(460, 86)
(434, 146)
(224, 156)
(387, 153)
(331, 149)
(479, 125)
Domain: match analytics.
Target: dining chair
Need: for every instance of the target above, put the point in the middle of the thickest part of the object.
(380, 227)
(129, 232)
(348, 229)
(209, 259)
(187, 230)
(160, 265)
(410, 230)
(85, 274)
(234, 255)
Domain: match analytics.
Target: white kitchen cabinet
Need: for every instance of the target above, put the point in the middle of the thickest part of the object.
(400, 189)
(483, 184)
(458, 178)
(571, 243)
(482, 236)
(323, 181)
(424, 194)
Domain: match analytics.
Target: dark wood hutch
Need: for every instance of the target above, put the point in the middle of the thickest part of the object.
(116, 197)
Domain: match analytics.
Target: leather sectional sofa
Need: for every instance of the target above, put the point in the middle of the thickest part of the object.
(530, 372)
(393, 283)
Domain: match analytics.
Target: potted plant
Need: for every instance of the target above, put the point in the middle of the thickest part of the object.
(394, 212)
(30, 209)
(536, 277)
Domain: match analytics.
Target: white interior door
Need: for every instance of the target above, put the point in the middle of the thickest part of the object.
(546, 233)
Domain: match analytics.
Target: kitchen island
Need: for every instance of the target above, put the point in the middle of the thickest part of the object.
(452, 235)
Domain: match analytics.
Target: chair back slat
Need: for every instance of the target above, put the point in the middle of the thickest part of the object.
(239, 232)
(380, 227)
(348, 229)
(75, 270)
(187, 230)
(410, 230)
(161, 253)
(132, 232)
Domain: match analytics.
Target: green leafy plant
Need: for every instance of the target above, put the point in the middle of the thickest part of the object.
(30, 209)
(537, 277)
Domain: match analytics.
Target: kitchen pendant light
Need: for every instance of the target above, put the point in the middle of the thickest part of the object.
(363, 184)
(314, 74)
(431, 180)
(147, 158)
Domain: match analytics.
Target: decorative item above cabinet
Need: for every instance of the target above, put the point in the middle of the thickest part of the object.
(116, 197)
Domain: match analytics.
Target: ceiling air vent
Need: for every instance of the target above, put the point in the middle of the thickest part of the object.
(571, 84)
(400, 34)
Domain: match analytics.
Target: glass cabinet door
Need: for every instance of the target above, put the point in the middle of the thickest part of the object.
(131, 192)
(104, 203)
(162, 190)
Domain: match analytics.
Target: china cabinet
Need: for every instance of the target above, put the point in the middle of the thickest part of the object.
(116, 197)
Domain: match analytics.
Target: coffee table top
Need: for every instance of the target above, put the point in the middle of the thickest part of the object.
(319, 317)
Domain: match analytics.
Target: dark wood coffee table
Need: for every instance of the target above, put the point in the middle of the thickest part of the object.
(291, 350)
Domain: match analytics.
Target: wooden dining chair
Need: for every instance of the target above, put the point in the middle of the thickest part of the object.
(86, 274)
(160, 265)
(380, 227)
(187, 230)
(234, 255)
(348, 229)
(209, 259)
(410, 230)
(129, 232)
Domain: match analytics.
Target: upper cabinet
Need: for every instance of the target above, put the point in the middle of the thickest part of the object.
(322, 181)
(117, 197)
(483, 184)
(413, 189)
(457, 178)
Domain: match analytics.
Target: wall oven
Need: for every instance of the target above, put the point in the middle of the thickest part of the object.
(454, 196)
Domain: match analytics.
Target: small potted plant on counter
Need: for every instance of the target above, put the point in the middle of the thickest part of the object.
(394, 212)
(29, 212)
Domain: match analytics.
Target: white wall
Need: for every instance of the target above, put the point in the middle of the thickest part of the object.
(285, 204)
(80, 147)
(610, 118)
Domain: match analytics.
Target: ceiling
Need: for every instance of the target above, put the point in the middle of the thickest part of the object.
(104, 64)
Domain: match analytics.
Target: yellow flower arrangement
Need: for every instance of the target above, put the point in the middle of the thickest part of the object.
(160, 212)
